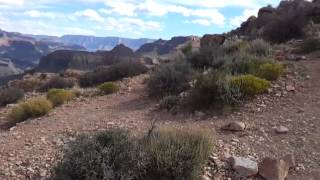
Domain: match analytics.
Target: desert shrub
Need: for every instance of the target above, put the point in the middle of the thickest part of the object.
(259, 47)
(249, 84)
(309, 45)
(169, 102)
(207, 57)
(59, 96)
(56, 82)
(114, 154)
(108, 88)
(32, 108)
(27, 85)
(270, 71)
(170, 79)
(106, 156)
(177, 153)
(112, 73)
(10, 95)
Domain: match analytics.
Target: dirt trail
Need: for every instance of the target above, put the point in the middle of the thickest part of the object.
(29, 150)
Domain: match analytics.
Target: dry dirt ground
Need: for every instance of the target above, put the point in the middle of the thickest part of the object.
(30, 150)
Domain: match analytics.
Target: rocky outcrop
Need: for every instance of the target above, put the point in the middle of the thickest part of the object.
(211, 41)
(255, 26)
(62, 60)
(162, 47)
(7, 68)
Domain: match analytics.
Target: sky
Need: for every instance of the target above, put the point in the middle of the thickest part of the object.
(127, 18)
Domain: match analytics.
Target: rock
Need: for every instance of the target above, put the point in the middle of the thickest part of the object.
(245, 166)
(281, 130)
(235, 126)
(205, 177)
(276, 169)
(214, 40)
(290, 88)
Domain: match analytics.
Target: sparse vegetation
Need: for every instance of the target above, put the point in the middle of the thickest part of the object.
(112, 73)
(32, 108)
(56, 82)
(169, 154)
(170, 79)
(108, 88)
(59, 96)
(270, 71)
(10, 95)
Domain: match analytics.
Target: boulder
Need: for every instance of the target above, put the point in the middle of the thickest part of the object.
(281, 130)
(234, 126)
(244, 166)
(276, 169)
(209, 41)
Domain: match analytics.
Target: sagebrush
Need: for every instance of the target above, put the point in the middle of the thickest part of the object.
(115, 154)
(32, 108)
(170, 79)
(60, 96)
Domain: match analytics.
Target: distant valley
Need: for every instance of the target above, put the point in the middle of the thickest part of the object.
(93, 43)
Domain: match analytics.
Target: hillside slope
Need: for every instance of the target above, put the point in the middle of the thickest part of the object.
(31, 149)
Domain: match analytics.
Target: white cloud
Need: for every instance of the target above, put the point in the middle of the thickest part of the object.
(40, 14)
(236, 21)
(203, 22)
(90, 14)
(128, 24)
(12, 2)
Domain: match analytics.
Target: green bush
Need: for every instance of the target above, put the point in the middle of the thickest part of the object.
(114, 154)
(10, 95)
(169, 102)
(32, 108)
(59, 96)
(249, 84)
(178, 153)
(112, 73)
(270, 71)
(169, 79)
(56, 82)
(108, 88)
(309, 45)
(106, 156)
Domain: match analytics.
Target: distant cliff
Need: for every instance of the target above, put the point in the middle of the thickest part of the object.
(62, 60)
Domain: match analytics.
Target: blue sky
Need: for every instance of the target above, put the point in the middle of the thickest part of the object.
(126, 18)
